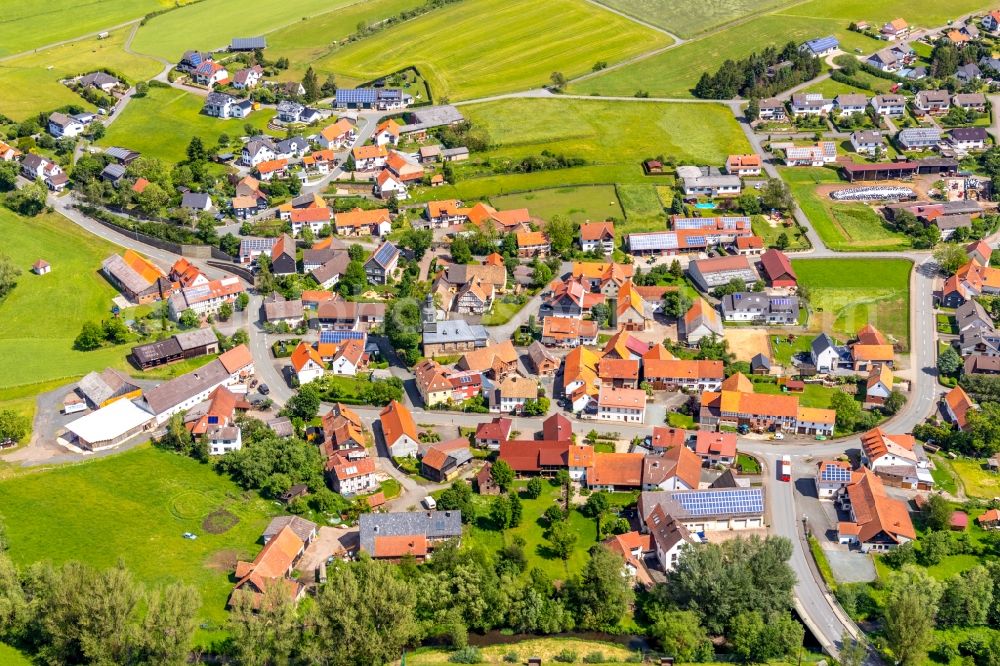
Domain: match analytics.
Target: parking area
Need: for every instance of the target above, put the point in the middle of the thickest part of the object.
(849, 566)
(335, 542)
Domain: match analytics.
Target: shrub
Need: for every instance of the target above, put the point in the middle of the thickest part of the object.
(565, 656)
(511, 658)
(467, 655)
(596, 657)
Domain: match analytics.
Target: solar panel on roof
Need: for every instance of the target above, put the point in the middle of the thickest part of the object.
(336, 337)
(741, 500)
(384, 253)
(836, 474)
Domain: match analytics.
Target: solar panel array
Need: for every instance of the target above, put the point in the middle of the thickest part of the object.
(729, 501)
(711, 222)
(356, 95)
(659, 240)
(336, 337)
(384, 254)
(836, 474)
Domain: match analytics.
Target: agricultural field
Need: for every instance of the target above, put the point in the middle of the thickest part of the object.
(484, 47)
(42, 316)
(580, 204)
(643, 208)
(29, 24)
(690, 17)
(604, 132)
(210, 25)
(846, 294)
(135, 506)
(162, 124)
(671, 74)
(304, 42)
(842, 226)
(38, 87)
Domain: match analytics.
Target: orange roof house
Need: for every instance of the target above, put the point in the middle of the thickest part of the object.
(957, 404)
(498, 359)
(869, 335)
(878, 521)
(144, 267)
(614, 471)
(369, 152)
(399, 429)
(272, 566)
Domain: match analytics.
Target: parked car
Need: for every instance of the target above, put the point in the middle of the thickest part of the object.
(263, 389)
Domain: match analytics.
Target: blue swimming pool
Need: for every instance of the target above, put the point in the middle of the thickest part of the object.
(705, 206)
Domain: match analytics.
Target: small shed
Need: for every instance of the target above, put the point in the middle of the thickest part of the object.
(993, 463)
(653, 166)
(760, 365)
(484, 481)
(295, 492)
(989, 520)
(959, 521)
(41, 267)
(376, 500)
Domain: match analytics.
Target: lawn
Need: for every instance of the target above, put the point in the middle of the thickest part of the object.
(783, 350)
(11, 657)
(944, 477)
(769, 234)
(501, 312)
(483, 47)
(814, 395)
(174, 369)
(162, 124)
(532, 529)
(678, 420)
(42, 316)
(978, 481)
(29, 24)
(747, 464)
(847, 227)
(674, 72)
(846, 294)
(690, 17)
(580, 204)
(210, 25)
(36, 76)
(134, 507)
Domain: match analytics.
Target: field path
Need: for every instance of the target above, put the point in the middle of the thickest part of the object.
(69, 41)
(545, 93)
(678, 40)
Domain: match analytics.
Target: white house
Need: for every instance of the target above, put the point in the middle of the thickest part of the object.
(61, 125)
(224, 439)
(831, 477)
(893, 106)
(387, 185)
(621, 404)
(349, 358)
(866, 142)
(256, 151)
(824, 354)
(849, 104)
(307, 363)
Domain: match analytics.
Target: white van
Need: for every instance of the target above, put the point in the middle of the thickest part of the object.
(429, 503)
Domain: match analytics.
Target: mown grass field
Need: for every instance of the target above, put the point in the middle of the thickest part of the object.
(842, 226)
(543, 648)
(770, 234)
(29, 24)
(595, 203)
(210, 25)
(846, 294)
(135, 506)
(484, 47)
(11, 657)
(690, 17)
(32, 87)
(42, 316)
(608, 132)
(674, 73)
(162, 124)
(304, 42)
